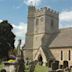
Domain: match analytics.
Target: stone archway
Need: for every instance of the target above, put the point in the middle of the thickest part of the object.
(40, 59)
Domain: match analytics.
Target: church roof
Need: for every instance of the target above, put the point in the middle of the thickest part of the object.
(63, 38)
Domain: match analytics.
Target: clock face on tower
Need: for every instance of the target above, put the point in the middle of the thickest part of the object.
(52, 23)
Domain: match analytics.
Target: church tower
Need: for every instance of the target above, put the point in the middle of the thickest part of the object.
(41, 23)
(30, 33)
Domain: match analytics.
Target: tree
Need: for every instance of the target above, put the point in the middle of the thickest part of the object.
(7, 39)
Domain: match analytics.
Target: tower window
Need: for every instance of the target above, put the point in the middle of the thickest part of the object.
(41, 19)
(52, 23)
(37, 21)
(61, 55)
(69, 55)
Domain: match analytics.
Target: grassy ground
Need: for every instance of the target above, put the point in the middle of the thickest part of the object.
(1, 66)
(26, 68)
(39, 68)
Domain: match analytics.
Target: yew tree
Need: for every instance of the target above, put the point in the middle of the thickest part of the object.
(7, 39)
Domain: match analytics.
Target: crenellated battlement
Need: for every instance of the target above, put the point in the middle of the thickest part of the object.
(47, 11)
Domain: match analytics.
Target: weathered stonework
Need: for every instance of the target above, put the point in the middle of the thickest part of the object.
(44, 37)
(57, 54)
(39, 24)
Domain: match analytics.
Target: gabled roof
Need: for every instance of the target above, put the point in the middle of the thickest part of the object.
(59, 40)
(63, 38)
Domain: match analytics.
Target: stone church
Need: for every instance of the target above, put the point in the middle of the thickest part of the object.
(44, 40)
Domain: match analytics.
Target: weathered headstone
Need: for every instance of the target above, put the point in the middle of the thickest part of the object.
(67, 69)
(70, 68)
(9, 68)
(59, 70)
(3, 70)
(55, 65)
(50, 63)
(65, 64)
(61, 66)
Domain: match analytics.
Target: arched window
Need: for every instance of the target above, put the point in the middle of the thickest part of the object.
(41, 19)
(69, 55)
(40, 58)
(37, 22)
(52, 23)
(61, 55)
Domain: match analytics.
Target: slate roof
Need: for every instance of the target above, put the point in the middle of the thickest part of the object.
(63, 38)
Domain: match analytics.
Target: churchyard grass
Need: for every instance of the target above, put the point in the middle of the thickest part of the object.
(1, 66)
(40, 68)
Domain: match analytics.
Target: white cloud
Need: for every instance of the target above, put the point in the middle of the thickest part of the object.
(28, 2)
(32, 2)
(20, 31)
(65, 19)
(66, 15)
(1, 21)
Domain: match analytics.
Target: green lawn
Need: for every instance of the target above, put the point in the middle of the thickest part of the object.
(1, 66)
(26, 68)
(39, 68)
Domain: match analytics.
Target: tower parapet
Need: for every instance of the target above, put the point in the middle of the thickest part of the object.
(47, 11)
(31, 11)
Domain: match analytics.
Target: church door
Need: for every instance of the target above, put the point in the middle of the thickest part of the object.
(40, 59)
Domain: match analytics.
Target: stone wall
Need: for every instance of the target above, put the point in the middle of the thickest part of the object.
(57, 54)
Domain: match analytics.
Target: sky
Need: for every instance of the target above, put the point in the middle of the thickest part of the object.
(15, 11)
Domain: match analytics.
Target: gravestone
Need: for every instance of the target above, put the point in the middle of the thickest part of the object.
(55, 65)
(67, 69)
(65, 64)
(9, 68)
(61, 66)
(50, 63)
(59, 70)
(3, 70)
(70, 68)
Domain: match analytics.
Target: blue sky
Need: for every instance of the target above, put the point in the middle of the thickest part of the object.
(15, 11)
